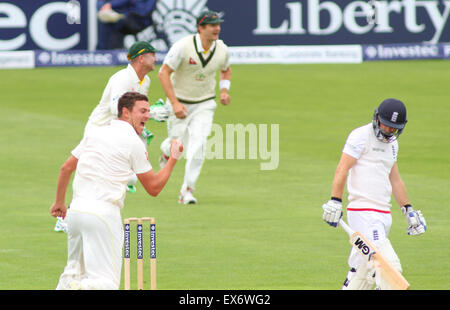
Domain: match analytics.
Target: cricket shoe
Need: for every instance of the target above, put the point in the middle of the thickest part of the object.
(60, 226)
(187, 198)
(163, 160)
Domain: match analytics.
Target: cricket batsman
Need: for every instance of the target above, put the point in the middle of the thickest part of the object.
(369, 166)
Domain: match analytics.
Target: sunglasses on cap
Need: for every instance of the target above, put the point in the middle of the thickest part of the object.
(210, 18)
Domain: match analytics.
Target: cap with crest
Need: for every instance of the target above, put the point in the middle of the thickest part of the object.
(209, 17)
(139, 48)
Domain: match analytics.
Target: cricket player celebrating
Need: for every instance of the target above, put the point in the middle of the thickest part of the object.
(104, 161)
(188, 77)
(132, 78)
(369, 167)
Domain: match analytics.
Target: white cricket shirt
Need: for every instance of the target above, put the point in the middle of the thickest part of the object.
(368, 183)
(194, 76)
(108, 156)
(121, 82)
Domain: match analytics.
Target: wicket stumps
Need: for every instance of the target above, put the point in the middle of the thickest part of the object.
(140, 252)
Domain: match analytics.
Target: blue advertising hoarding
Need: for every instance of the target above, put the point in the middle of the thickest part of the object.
(72, 24)
(65, 33)
(48, 25)
(294, 22)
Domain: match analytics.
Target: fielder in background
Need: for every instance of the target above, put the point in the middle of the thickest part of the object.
(188, 77)
(132, 78)
(369, 167)
(104, 161)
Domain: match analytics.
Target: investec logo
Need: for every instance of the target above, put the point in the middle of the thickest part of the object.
(402, 51)
(357, 17)
(13, 16)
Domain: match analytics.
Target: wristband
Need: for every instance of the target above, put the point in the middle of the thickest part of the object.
(225, 84)
(336, 198)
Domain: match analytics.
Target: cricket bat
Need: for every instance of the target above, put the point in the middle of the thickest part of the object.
(369, 252)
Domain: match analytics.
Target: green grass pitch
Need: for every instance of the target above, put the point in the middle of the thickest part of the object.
(252, 229)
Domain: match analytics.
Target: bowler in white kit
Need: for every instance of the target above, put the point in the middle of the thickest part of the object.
(133, 78)
(104, 161)
(368, 166)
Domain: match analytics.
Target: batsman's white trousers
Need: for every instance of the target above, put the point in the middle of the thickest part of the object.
(95, 241)
(375, 226)
(193, 131)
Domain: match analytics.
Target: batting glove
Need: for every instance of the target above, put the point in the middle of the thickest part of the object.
(416, 222)
(159, 112)
(332, 212)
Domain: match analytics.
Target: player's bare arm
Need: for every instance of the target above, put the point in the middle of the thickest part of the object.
(225, 78)
(59, 206)
(340, 176)
(332, 209)
(398, 186)
(178, 108)
(416, 221)
(155, 182)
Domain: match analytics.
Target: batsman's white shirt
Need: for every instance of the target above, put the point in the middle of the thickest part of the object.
(369, 187)
(368, 182)
(121, 82)
(107, 157)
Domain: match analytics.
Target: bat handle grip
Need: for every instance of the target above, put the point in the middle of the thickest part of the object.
(346, 227)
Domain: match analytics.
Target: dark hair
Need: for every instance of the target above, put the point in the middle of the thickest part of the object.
(128, 100)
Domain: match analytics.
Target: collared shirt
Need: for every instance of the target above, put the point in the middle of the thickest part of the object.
(108, 157)
(200, 48)
(176, 53)
(368, 182)
(121, 82)
(195, 70)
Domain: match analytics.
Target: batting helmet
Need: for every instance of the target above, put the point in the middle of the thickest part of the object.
(391, 113)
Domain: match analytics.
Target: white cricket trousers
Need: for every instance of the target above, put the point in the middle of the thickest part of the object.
(193, 131)
(95, 241)
(375, 226)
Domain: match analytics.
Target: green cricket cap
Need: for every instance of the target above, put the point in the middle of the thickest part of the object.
(209, 17)
(139, 48)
